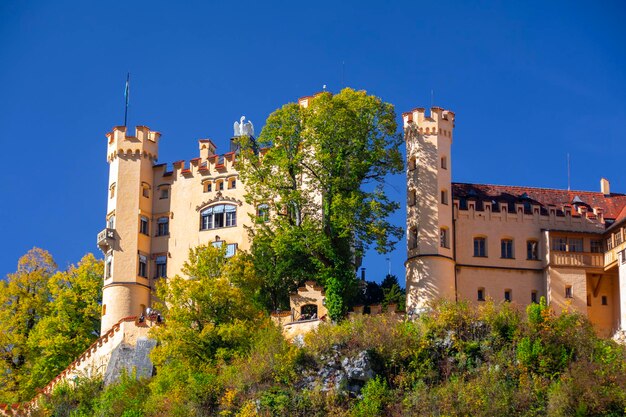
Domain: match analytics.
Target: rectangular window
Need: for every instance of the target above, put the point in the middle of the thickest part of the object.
(574, 245)
(143, 266)
(444, 162)
(481, 294)
(596, 246)
(163, 224)
(609, 243)
(507, 295)
(532, 250)
(143, 225)
(568, 292)
(412, 198)
(444, 197)
(480, 247)
(145, 191)
(221, 185)
(618, 237)
(533, 297)
(108, 267)
(233, 184)
(165, 193)
(111, 222)
(443, 238)
(605, 300)
(231, 249)
(559, 244)
(506, 248)
(413, 238)
(208, 187)
(161, 267)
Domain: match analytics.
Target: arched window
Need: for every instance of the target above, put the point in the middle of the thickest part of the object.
(112, 191)
(215, 217)
(145, 190)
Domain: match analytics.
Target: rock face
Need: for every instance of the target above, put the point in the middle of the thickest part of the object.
(349, 373)
(126, 358)
(620, 337)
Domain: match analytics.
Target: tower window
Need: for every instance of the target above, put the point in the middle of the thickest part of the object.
(232, 184)
(143, 225)
(161, 266)
(143, 266)
(208, 187)
(413, 238)
(112, 191)
(215, 217)
(412, 198)
(412, 164)
(532, 250)
(163, 226)
(145, 190)
(165, 193)
(444, 197)
(506, 248)
(533, 297)
(480, 247)
(605, 300)
(444, 162)
(111, 222)
(108, 266)
(444, 241)
(508, 297)
(104, 309)
(481, 294)
(568, 292)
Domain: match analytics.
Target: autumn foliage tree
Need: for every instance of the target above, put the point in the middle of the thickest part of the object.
(321, 170)
(47, 317)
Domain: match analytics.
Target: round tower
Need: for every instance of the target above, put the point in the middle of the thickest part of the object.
(126, 240)
(430, 265)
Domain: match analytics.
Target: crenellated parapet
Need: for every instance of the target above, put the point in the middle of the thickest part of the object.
(145, 143)
(439, 121)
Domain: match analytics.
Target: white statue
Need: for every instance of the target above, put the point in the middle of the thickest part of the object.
(243, 129)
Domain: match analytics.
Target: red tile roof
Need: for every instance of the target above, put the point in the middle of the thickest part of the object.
(613, 205)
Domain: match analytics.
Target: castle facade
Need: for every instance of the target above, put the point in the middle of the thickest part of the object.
(508, 243)
(464, 241)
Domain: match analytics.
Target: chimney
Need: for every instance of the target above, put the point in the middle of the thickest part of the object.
(605, 187)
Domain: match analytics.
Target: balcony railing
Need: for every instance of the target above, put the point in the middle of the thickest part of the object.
(105, 239)
(584, 259)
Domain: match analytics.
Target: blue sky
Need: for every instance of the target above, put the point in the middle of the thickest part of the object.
(529, 82)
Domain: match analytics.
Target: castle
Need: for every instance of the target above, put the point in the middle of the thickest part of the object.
(464, 241)
(513, 243)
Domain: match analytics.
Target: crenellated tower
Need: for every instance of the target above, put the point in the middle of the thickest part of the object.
(430, 265)
(126, 240)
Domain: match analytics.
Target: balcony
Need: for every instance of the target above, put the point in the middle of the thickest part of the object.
(105, 239)
(579, 259)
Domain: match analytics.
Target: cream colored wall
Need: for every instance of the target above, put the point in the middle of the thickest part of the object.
(311, 293)
(562, 277)
(604, 317)
(428, 279)
(187, 199)
(496, 281)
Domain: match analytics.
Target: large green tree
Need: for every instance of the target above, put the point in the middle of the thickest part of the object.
(47, 318)
(322, 169)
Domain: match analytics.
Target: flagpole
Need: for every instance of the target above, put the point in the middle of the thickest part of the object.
(126, 97)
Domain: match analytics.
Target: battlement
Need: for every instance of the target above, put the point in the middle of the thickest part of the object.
(439, 121)
(144, 144)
